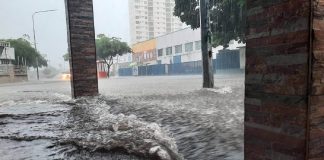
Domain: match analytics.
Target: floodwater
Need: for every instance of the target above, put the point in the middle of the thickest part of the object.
(168, 118)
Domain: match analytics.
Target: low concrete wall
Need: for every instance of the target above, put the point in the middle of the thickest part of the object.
(13, 79)
(11, 73)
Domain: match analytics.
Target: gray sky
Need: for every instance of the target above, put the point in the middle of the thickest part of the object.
(111, 18)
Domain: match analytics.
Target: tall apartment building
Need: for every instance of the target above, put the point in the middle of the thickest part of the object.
(151, 18)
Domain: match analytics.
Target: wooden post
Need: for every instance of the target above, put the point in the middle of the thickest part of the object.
(206, 48)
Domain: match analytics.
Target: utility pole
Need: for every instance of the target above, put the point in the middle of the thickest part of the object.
(206, 47)
(35, 45)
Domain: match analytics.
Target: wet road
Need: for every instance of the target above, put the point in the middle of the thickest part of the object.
(134, 118)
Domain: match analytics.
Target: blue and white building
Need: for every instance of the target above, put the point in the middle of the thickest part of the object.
(8, 71)
(178, 47)
(185, 46)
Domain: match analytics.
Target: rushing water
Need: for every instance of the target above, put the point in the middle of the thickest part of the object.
(167, 118)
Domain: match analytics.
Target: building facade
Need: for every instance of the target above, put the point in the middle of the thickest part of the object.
(8, 71)
(7, 54)
(180, 46)
(179, 52)
(144, 53)
(121, 61)
(177, 47)
(151, 18)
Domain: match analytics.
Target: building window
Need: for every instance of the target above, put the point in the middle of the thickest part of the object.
(198, 45)
(160, 52)
(169, 51)
(189, 47)
(178, 49)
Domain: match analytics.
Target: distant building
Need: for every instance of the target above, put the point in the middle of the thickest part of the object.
(124, 60)
(144, 53)
(179, 52)
(121, 61)
(8, 71)
(7, 54)
(176, 47)
(179, 46)
(151, 18)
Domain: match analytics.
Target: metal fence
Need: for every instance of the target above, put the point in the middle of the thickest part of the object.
(226, 62)
(194, 67)
(227, 59)
(125, 71)
(152, 70)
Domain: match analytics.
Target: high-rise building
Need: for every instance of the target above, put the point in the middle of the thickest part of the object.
(151, 18)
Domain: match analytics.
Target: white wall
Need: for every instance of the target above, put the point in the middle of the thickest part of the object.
(180, 37)
(184, 36)
(8, 53)
(125, 58)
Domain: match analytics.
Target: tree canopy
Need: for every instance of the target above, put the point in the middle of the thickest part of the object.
(109, 47)
(66, 57)
(227, 17)
(23, 49)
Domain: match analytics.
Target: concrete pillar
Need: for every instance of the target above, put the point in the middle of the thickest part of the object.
(82, 48)
(284, 96)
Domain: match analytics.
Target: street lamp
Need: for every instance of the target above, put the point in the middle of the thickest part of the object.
(33, 17)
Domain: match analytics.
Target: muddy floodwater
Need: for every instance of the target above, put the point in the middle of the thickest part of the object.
(134, 118)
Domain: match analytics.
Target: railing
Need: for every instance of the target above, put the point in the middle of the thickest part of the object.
(4, 44)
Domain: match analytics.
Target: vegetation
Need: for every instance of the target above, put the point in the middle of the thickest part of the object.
(107, 48)
(66, 57)
(23, 49)
(227, 17)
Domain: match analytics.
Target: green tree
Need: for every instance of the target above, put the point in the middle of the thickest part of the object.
(107, 48)
(66, 57)
(23, 49)
(227, 17)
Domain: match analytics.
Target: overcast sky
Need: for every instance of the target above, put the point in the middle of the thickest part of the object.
(111, 18)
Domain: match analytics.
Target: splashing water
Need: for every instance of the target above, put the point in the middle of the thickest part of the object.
(164, 122)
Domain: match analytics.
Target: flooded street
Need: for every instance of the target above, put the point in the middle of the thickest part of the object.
(167, 118)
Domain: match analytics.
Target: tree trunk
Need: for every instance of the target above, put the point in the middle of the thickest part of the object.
(108, 72)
